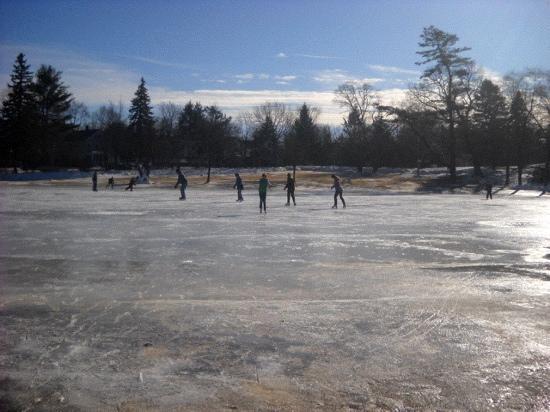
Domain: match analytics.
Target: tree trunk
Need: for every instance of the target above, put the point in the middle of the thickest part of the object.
(452, 150)
(547, 164)
(507, 180)
(294, 173)
(520, 172)
(208, 175)
(477, 167)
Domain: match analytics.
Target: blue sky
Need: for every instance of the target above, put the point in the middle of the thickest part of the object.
(240, 53)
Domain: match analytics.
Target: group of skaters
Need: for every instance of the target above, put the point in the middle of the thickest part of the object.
(263, 185)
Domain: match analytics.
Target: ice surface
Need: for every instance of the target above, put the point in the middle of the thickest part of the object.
(138, 300)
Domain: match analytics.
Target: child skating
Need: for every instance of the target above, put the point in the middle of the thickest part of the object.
(262, 188)
(289, 187)
(239, 186)
(182, 181)
(338, 191)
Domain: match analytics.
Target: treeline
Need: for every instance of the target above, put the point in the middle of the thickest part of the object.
(452, 116)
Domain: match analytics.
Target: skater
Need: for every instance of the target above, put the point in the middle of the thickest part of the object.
(131, 184)
(182, 181)
(263, 184)
(489, 189)
(337, 192)
(94, 182)
(239, 186)
(111, 183)
(289, 187)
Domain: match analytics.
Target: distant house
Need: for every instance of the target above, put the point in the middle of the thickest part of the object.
(83, 149)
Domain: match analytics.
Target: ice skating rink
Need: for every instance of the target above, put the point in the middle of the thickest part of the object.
(138, 301)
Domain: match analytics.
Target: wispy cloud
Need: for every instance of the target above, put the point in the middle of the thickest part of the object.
(282, 55)
(316, 56)
(335, 77)
(287, 78)
(156, 62)
(392, 69)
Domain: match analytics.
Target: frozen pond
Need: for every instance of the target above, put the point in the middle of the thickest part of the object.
(135, 300)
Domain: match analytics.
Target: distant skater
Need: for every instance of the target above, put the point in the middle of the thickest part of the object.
(131, 184)
(489, 189)
(182, 181)
(289, 187)
(338, 191)
(239, 186)
(94, 182)
(111, 183)
(263, 184)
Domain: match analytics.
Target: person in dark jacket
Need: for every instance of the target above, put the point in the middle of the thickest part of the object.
(94, 182)
(111, 183)
(338, 191)
(182, 181)
(239, 186)
(489, 189)
(289, 187)
(131, 184)
(262, 188)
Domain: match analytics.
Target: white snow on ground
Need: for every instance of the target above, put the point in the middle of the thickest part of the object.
(121, 299)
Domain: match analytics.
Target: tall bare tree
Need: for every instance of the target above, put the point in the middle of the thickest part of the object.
(443, 83)
(360, 99)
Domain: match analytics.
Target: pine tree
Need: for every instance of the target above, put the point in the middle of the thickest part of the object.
(265, 144)
(53, 103)
(19, 115)
(301, 144)
(354, 143)
(490, 114)
(142, 124)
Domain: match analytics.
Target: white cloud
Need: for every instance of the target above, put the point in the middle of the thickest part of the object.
(392, 69)
(316, 56)
(335, 77)
(245, 76)
(263, 76)
(287, 78)
(492, 75)
(281, 55)
(156, 61)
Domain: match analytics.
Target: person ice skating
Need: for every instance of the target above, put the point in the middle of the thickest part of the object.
(263, 184)
(338, 191)
(111, 183)
(182, 181)
(131, 184)
(94, 182)
(489, 189)
(239, 186)
(289, 187)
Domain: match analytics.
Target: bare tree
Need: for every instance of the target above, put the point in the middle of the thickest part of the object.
(79, 114)
(107, 115)
(443, 84)
(281, 115)
(361, 99)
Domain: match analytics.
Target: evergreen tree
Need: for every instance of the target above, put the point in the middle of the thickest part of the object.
(141, 124)
(381, 144)
(19, 115)
(490, 113)
(265, 144)
(354, 144)
(301, 143)
(53, 103)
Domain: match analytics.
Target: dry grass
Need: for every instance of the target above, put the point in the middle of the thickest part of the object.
(304, 179)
